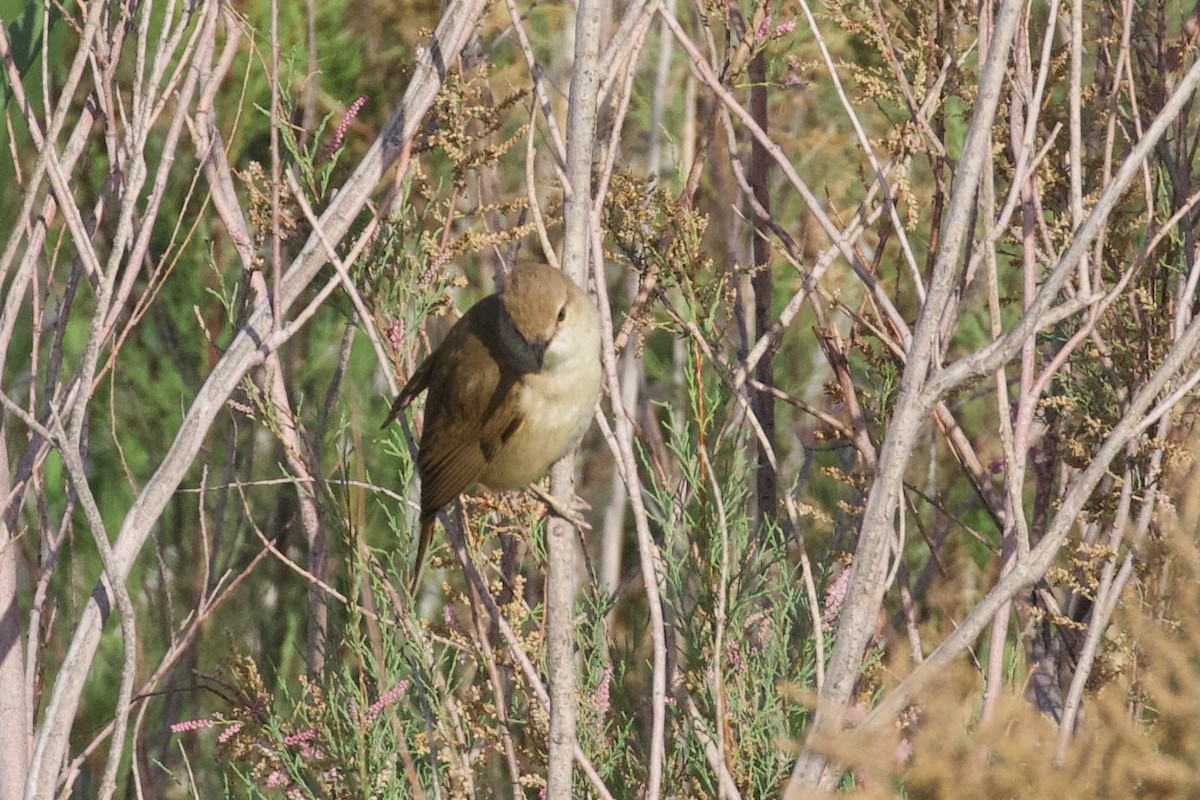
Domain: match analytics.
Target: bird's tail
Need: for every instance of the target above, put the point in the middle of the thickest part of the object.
(423, 540)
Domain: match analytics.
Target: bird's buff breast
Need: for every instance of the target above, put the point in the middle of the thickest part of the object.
(556, 413)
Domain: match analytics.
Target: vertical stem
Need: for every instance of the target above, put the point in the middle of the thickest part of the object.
(14, 716)
(276, 176)
(1075, 98)
(658, 102)
(560, 538)
(560, 642)
(763, 282)
(612, 543)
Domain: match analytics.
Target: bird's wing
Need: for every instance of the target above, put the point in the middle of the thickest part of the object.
(470, 412)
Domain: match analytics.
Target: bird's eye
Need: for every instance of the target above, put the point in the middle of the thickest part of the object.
(562, 313)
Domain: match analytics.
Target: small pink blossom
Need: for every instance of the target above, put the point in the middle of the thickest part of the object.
(344, 125)
(759, 625)
(191, 725)
(277, 779)
(733, 655)
(385, 700)
(299, 738)
(396, 334)
(229, 733)
(904, 752)
(764, 27)
(784, 28)
(834, 596)
(601, 694)
(434, 270)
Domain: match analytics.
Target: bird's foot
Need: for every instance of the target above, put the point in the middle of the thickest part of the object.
(570, 514)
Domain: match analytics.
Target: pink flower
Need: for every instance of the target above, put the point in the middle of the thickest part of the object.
(396, 334)
(733, 654)
(834, 596)
(385, 700)
(601, 694)
(760, 35)
(784, 28)
(229, 733)
(191, 725)
(310, 753)
(344, 126)
(298, 738)
(759, 625)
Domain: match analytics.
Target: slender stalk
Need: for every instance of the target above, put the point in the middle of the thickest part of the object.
(560, 534)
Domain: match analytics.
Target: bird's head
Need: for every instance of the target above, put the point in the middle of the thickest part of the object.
(547, 318)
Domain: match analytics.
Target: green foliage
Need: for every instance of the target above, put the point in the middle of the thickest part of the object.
(341, 741)
(736, 604)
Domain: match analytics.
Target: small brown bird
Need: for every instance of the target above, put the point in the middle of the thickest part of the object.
(511, 389)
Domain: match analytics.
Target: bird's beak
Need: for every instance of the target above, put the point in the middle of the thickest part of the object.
(539, 351)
